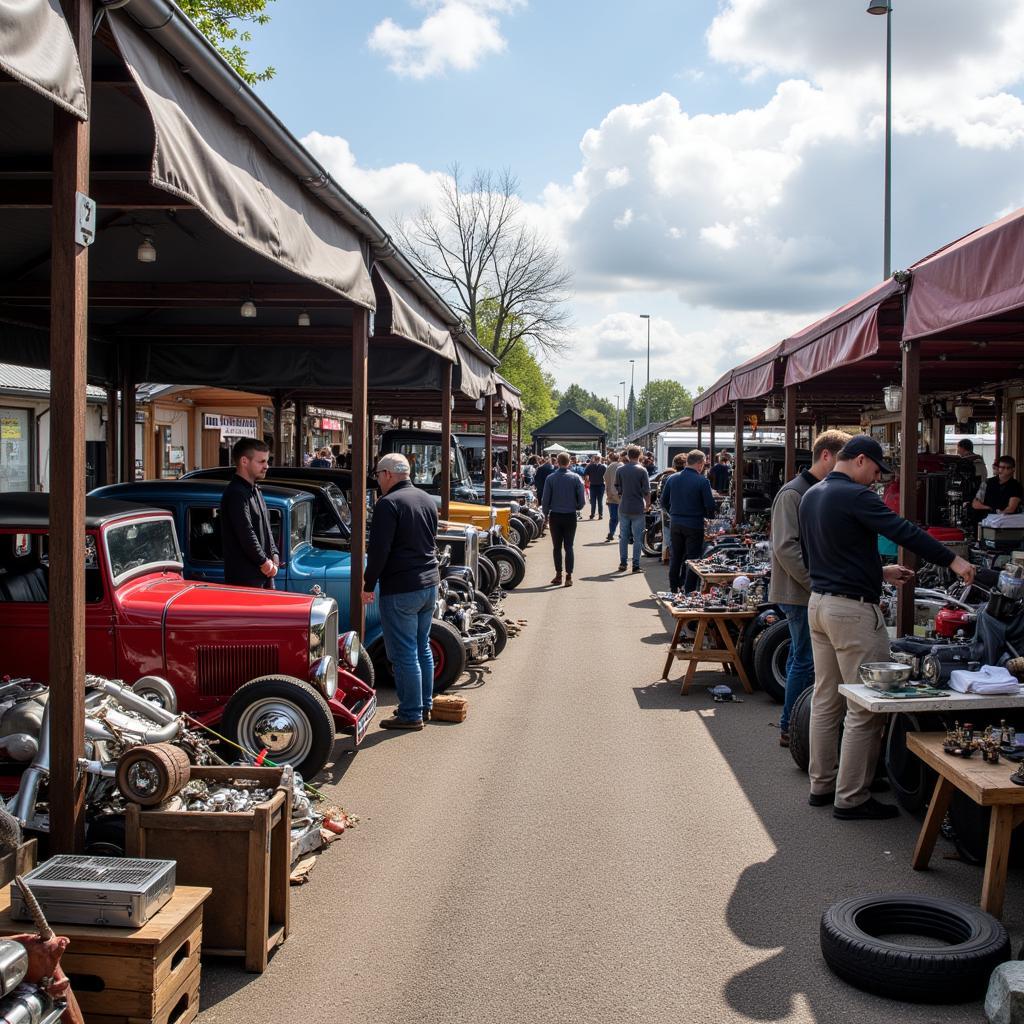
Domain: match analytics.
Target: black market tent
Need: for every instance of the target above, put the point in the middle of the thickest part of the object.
(568, 426)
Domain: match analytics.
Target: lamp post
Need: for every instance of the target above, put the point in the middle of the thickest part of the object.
(632, 395)
(647, 317)
(885, 7)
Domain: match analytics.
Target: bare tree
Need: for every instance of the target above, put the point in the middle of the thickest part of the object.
(496, 270)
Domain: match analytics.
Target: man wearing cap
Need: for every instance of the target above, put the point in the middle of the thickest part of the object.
(840, 520)
(401, 555)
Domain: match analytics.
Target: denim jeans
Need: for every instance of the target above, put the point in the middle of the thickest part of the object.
(613, 517)
(405, 619)
(596, 500)
(800, 663)
(631, 527)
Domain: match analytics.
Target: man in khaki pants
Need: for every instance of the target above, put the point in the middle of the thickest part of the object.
(840, 520)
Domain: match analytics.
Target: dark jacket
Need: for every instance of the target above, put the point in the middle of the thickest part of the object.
(840, 521)
(543, 472)
(563, 492)
(246, 536)
(790, 583)
(687, 497)
(721, 474)
(401, 552)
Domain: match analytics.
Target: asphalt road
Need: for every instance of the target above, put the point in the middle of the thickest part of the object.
(589, 846)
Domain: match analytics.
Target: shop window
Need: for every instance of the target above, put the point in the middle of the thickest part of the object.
(15, 450)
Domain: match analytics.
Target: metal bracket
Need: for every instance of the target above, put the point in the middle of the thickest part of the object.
(85, 219)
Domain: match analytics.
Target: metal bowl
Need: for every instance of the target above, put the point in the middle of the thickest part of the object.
(884, 675)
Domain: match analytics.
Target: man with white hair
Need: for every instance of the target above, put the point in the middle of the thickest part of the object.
(401, 557)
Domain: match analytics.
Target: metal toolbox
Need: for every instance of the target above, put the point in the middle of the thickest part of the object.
(120, 892)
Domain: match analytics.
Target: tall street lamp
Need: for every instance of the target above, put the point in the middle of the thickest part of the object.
(647, 317)
(885, 7)
(632, 399)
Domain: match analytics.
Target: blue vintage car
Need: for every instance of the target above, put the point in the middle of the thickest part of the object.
(195, 505)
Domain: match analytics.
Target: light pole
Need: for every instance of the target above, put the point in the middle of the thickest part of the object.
(885, 7)
(616, 417)
(647, 317)
(632, 400)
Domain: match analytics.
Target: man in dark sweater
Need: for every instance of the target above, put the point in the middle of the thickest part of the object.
(840, 520)
(401, 556)
(561, 501)
(594, 474)
(686, 496)
(544, 470)
(250, 555)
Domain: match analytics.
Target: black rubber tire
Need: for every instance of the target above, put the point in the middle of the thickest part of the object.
(652, 541)
(517, 533)
(954, 973)
(364, 669)
(107, 836)
(912, 781)
(529, 528)
(483, 603)
(500, 632)
(771, 650)
(449, 654)
(531, 524)
(460, 587)
(510, 566)
(488, 573)
(748, 640)
(304, 698)
(800, 730)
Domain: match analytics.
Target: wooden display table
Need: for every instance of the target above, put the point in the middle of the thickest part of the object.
(133, 975)
(986, 784)
(712, 626)
(719, 579)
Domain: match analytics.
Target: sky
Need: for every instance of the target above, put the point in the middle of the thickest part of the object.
(717, 164)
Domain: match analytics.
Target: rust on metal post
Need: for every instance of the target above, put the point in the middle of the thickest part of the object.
(908, 475)
(790, 461)
(69, 308)
(360, 351)
(446, 440)
(737, 476)
(488, 447)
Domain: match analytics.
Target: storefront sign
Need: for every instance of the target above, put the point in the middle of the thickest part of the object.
(330, 424)
(10, 429)
(1018, 406)
(230, 426)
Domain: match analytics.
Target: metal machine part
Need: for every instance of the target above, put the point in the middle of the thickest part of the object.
(158, 691)
(13, 965)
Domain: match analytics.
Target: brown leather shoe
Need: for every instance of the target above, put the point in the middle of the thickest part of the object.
(557, 581)
(783, 739)
(568, 579)
(394, 722)
(426, 715)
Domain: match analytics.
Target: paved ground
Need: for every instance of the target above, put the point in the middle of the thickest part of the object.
(588, 847)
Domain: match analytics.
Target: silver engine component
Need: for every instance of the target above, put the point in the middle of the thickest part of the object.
(157, 691)
(29, 1005)
(13, 965)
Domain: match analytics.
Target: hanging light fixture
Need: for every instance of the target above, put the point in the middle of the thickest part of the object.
(248, 309)
(892, 394)
(146, 252)
(772, 413)
(303, 319)
(963, 410)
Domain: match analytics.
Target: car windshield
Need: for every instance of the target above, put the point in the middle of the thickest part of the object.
(142, 544)
(340, 503)
(300, 526)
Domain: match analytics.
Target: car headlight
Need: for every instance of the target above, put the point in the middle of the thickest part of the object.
(348, 649)
(323, 633)
(323, 674)
(515, 507)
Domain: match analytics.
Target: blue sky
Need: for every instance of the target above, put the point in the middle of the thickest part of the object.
(716, 163)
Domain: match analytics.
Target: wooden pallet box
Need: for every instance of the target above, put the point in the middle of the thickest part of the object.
(243, 856)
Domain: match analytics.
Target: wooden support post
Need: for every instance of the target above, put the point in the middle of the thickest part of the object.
(69, 310)
(711, 439)
(908, 475)
(488, 447)
(299, 432)
(111, 434)
(508, 451)
(700, 435)
(124, 361)
(790, 453)
(278, 399)
(998, 427)
(360, 351)
(737, 475)
(519, 448)
(446, 441)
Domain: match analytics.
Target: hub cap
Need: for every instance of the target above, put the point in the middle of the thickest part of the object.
(277, 726)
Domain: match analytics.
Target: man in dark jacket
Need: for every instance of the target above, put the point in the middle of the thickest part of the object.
(840, 520)
(686, 496)
(250, 555)
(561, 502)
(544, 470)
(401, 556)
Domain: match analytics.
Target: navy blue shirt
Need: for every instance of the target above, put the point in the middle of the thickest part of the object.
(840, 521)
(563, 492)
(543, 472)
(401, 552)
(686, 496)
(720, 477)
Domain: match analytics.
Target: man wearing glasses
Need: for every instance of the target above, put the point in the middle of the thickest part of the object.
(401, 557)
(1001, 493)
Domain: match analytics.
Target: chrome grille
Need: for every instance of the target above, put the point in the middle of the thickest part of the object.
(331, 634)
(473, 552)
(222, 668)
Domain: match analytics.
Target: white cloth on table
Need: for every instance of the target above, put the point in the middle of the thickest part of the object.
(989, 679)
(1014, 519)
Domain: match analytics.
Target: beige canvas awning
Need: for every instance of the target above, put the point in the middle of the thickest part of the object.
(204, 156)
(37, 50)
(402, 313)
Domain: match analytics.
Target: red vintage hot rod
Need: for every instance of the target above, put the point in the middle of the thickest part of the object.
(262, 664)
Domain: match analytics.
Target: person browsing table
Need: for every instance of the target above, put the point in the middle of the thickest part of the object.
(840, 521)
(561, 502)
(686, 496)
(634, 487)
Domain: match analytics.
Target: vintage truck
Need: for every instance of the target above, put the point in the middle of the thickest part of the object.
(262, 667)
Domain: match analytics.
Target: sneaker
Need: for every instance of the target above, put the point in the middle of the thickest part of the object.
(783, 739)
(636, 568)
(822, 799)
(608, 538)
(870, 810)
(394, 722)
(557, 580)
(591, 517)
(622, 566)
(568, 579)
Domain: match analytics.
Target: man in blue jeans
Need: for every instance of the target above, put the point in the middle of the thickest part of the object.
(790, 582)
(634, 489)
(686, 496)
(401, 556)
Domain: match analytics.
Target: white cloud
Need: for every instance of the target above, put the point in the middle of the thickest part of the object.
(722, 236)
(623, 222)
(455, 34)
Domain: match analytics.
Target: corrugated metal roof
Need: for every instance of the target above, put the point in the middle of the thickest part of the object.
(30, 381)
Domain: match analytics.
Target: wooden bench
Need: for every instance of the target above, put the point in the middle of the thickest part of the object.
(986, 784)
(711, 626)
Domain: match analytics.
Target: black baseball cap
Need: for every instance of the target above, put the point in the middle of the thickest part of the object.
(863, 444)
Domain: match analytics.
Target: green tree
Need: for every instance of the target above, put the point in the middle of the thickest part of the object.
(522, 370)
(218, 20)
(579, 400)
(597, 418)
(669, 401)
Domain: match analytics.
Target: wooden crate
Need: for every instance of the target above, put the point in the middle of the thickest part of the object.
(447, 708)
(19, 862)
(244, 857)
(134, 975)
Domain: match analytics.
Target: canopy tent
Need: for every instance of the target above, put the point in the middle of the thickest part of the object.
(569, 426)
(555, 447)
